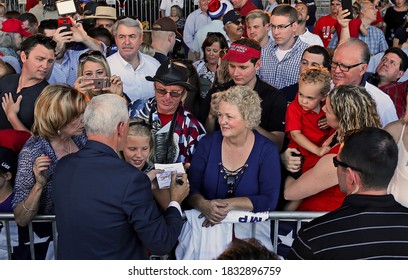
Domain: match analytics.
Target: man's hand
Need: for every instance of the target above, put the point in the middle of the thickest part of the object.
(178, 192)
(341, 18)
(291, 163)
(78, 32)
(10, 107)
(61, 37)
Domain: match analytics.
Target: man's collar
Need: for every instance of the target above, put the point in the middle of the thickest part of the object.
(364, 79)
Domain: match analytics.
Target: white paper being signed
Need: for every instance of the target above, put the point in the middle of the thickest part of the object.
(164, 177)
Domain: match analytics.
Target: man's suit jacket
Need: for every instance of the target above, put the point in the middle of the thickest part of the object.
(105, 208)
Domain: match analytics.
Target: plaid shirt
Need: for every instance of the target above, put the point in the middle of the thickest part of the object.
(398, 93)
(281, 73)
(375, 40)
(187, 131)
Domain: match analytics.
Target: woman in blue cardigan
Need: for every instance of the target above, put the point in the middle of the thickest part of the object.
(235, 168)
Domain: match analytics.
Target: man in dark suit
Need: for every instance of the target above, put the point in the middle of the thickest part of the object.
(104, 206)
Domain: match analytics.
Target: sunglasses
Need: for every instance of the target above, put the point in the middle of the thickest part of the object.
(238, 22)
(337, 163)
(84, 57)
(231, 186)
(172, 93)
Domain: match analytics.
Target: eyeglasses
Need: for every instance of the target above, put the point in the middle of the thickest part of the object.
(335, 4)
(172, 93)
(344, 68)
(337, 163)
(231, 186)
(84, 57)
(281, 27)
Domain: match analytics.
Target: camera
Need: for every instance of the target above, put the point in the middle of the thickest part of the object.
(99, 83)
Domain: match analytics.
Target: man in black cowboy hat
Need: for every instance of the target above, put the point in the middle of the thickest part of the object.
(176, 131)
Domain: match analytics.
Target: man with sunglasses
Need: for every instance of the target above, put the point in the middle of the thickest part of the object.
(176, 131)
(233, 26)
(243, 7)
(370, 224)
(18, 92)
(348, 66)
(280, 67)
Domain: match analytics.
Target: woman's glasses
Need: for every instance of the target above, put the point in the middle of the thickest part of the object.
(84, 57)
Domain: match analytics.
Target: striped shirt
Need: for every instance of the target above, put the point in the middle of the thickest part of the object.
(365, 227)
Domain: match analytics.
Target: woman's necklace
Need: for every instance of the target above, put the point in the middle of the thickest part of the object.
(68, 151)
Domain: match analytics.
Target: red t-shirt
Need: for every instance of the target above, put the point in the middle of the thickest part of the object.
(354, 27)
(165, 119)
(323, 27)
(306, 121)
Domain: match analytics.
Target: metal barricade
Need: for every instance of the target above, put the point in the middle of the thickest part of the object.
(8, 220)
(149, 10)
(275, 217)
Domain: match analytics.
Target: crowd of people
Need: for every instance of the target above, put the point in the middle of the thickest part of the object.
(266, 108)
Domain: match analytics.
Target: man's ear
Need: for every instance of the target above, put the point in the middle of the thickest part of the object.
(363, 68)
(258, 64)
(400, 74)
(294, 27)
(120, 129)
(23, 56)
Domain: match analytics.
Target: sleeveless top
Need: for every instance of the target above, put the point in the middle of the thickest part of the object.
(398, 185)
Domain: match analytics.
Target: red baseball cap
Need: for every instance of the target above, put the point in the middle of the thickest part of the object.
(13, 25)
(241, 54)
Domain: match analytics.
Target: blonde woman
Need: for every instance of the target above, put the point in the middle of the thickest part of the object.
(347, 108)
(93, 65)
(235, 168)
(58, 130)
